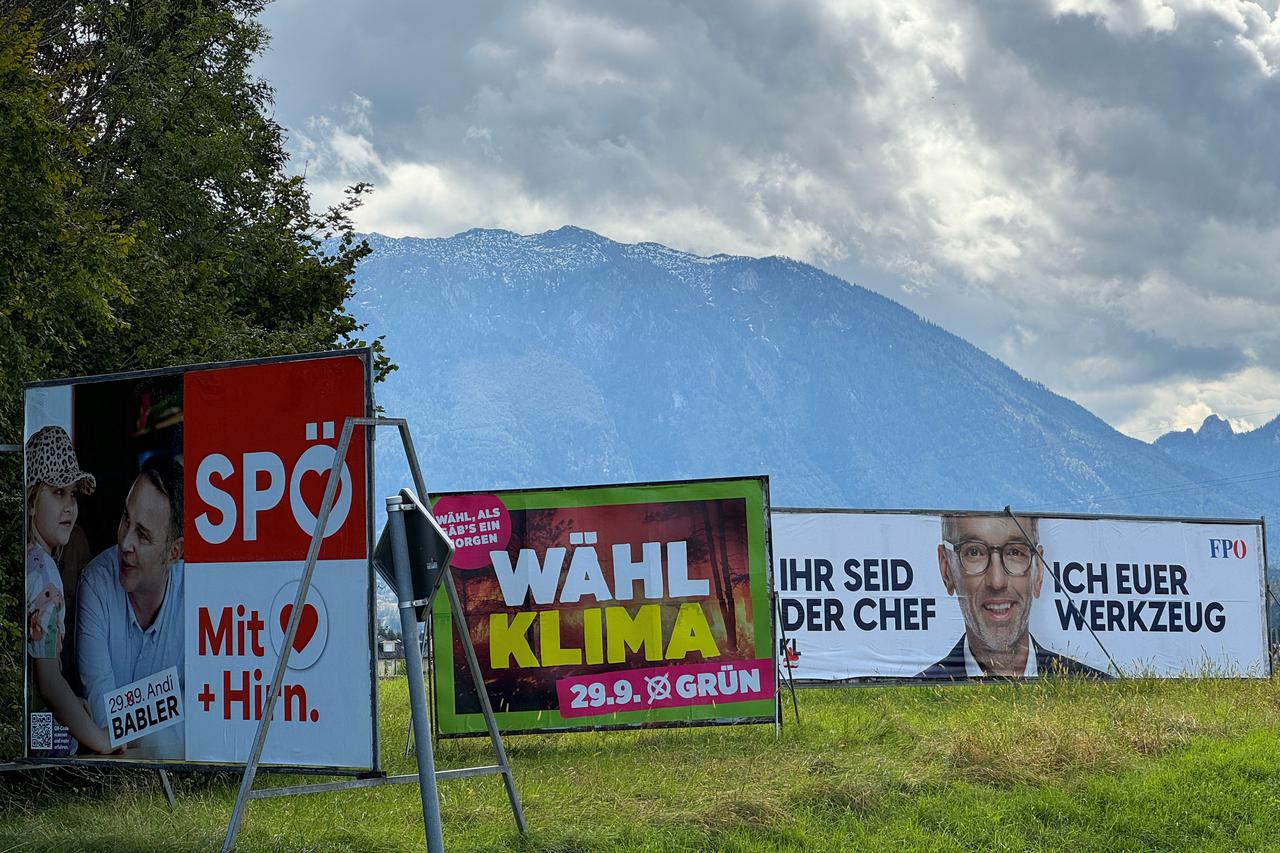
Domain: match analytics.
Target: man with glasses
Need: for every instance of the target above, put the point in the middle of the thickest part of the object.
(994, 567)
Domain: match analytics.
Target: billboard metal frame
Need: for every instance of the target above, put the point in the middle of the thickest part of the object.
(878, 681)
(365, 778)
(772, 607)
(427, 775)
(365, 354)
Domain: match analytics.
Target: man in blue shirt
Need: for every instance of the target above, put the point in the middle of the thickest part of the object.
(130, 621)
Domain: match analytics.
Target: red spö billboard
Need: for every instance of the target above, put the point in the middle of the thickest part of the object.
(190, 497)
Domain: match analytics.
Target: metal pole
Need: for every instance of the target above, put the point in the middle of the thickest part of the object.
(417, 688)
(1059, 585)
(408, 735)
(785, 669)
(425, 651)
(419, 483)
(778, 661)
(313, 554)
(460, 625)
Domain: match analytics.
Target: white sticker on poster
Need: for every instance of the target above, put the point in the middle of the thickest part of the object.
(144, 707)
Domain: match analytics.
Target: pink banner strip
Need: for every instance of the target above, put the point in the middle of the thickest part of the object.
(674, 686)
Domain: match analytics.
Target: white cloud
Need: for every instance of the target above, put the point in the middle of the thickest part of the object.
(1128, 17)
(1087, 189)
(1247, 399)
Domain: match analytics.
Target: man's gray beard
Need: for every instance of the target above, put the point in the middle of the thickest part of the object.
(972, 623)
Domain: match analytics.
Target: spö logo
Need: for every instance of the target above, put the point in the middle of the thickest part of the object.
(258, 498)
(1223, 548)
(260, 441)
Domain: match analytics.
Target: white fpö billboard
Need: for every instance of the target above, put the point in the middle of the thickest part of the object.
(169, 518)
(951, 596)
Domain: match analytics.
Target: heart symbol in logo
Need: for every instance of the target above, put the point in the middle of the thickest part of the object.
(311, 488)
(307, 624)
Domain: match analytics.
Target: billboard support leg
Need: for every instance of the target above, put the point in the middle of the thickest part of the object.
(777, 670)
(408, 737)
(490, 721)
(777, 712)
(417, 697)
(295, 618)
(460, 624)
(784, 665)
(167, 786)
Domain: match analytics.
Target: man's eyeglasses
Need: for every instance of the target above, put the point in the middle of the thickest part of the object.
(975, 556)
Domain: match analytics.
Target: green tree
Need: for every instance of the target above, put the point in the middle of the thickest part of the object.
(60, 285)
(147, 217)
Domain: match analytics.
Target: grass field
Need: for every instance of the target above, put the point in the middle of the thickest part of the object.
(1140, 765)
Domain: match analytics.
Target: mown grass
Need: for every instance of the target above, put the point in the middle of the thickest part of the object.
(1138, 765)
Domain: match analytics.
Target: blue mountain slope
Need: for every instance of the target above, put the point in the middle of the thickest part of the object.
(1249, 460)
(566, 358)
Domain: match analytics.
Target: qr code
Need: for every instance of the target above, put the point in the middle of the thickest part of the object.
(42, 730)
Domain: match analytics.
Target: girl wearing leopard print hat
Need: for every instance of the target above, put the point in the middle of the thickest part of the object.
(53, 481)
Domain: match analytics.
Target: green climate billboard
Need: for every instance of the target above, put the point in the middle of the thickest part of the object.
(609, 606)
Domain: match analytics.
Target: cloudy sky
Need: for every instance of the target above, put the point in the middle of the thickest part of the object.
(1088, 190)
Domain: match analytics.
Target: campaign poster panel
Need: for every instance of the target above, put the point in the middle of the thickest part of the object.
(609, 607)
(965, 595)
(169, 518)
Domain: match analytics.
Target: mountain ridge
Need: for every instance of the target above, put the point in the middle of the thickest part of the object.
(1250, 458)
(565, 358)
